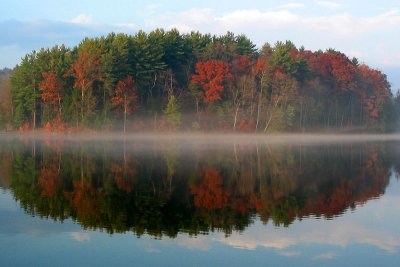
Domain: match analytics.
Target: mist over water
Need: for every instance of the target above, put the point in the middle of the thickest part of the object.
(211, 138)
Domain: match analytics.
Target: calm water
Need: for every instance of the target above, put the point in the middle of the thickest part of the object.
(206, 202)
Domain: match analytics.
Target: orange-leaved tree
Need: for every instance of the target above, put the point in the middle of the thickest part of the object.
(211, 75)
(50, 88)
(209, 193)
(125, 98)
(374, 91)
(86, 69)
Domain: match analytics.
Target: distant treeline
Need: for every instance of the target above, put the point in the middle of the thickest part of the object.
(4, 73)
(165, 80)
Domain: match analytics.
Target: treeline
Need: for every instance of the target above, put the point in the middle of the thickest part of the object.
(165, 80)
(5, 97)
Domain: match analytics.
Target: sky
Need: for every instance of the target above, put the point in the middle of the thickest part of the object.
(368, 30)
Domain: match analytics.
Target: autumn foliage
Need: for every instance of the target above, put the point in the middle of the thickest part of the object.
(211, 76)
(198, 82)
(86, 70)
(125, 97)
(51, 87)
(373, 91)
(50, 181)
(210, 194)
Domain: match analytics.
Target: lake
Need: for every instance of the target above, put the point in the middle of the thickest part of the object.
(216, 200)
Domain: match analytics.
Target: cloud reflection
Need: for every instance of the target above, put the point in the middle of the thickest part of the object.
(343, 232)
(325, 256)
(290, 253)
(80, 236)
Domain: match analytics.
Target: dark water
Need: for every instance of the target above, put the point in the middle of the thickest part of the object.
(198, 203)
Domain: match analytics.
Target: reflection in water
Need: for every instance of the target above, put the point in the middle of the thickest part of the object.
(163, 188)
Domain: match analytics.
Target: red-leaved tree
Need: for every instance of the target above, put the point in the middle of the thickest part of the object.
(86, 69)
(374, 91)
(50, 88)
(125, 98)
(211, 75)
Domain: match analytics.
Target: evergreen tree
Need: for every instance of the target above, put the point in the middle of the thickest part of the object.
(172, 113)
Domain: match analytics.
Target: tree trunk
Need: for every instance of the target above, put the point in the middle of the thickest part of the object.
(351, 111)
(235, 120)
(155, 121)
(361, 112)
(125, 110)
(301, 114)
(34, 108)
(258, 112)
(341, 121)
(34, 119)
(336, 111)
(268, 122)
(104, 105)
(305, 118)
(197, 111)
(82, 103)
(259, 103)
(329, 116)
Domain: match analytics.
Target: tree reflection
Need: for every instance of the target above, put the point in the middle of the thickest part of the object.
(209, 193)
(165, 189)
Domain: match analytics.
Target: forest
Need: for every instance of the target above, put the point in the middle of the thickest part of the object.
(168, 81)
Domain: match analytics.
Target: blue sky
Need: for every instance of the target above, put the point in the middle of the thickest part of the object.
(369, 30)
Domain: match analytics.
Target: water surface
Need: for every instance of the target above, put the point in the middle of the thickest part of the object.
(199, 201)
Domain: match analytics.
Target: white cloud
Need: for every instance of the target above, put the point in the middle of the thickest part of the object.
(181, 27)
(388, 19)
(195, 19)
(197, 16)
(344, 31)
(185, 21)
(255, 18)
(357, 35)
(85, 21)
(342, 25)
(328, 4)
(391, 60)
(354, 53)
(126, 26)
(82, 19)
